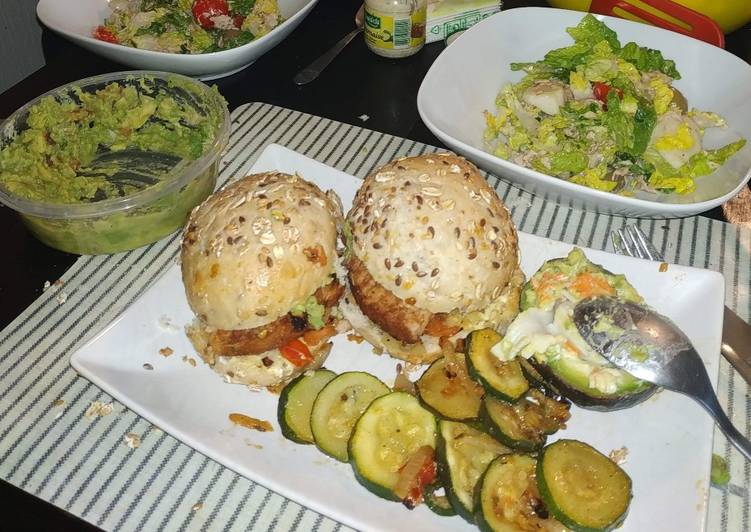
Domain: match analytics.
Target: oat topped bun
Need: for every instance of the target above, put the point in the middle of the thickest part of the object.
(431, 229)
(256, 248)
(258, 265)
(433, 255)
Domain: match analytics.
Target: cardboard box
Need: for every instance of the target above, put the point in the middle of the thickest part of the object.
(449, 16)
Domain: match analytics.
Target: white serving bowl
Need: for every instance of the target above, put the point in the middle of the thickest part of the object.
(76, 20)
(465, 79)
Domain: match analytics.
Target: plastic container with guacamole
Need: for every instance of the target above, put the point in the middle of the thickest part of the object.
(113, 162)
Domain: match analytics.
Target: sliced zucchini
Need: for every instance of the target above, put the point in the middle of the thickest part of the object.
(296, 403)
(463, 455)
(387, 434)
(584, 489)
(503, 380)
(524, 425)
(448, 391)
(508, 498)
(337, 408)
(438, 504)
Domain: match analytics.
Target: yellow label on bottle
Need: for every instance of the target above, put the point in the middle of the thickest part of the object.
(395, 32)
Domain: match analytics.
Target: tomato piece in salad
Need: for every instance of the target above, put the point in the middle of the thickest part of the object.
(205, 10)
(105, 34)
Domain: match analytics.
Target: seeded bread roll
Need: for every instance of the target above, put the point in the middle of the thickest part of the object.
(256, 248)
(432, 231)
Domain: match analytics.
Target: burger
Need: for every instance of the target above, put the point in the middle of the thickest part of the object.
(259, 268)
(432, 254)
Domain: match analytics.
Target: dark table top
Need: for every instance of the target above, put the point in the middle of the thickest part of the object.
(357, 83)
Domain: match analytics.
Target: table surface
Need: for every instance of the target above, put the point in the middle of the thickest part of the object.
(357, 83)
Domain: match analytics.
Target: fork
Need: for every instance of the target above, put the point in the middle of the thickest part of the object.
(630, 240)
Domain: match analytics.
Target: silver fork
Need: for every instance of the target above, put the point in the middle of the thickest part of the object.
(736, 334)
(630, 240)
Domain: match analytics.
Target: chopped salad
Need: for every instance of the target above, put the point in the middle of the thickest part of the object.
(188, 26)
(606, 116)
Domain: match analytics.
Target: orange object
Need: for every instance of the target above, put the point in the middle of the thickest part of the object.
(696, 25)
(316, 337)
(297, 353)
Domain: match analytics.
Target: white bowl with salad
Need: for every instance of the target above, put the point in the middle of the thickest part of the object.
(595, 112)
(207, 39)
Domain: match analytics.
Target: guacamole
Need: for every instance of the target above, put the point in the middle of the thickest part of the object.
(89, 168)
(58, 156)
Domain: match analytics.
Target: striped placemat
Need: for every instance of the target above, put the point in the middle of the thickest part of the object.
(52, 445)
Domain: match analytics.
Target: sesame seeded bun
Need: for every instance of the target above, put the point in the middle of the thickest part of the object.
(256, 248)
(259, 261)
(432, 229)
(433, 255)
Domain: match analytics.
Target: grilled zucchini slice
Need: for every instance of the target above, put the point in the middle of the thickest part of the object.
(446, 389)
(503, 380)
(463, 454)
(337, 408)
(584, 489)
(508, 499)
(525, 425)
(387, 434)
(296, 403)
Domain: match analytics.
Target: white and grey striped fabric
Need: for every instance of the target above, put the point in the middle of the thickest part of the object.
(50, 449)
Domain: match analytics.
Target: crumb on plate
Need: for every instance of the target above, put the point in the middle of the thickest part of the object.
(166, 351)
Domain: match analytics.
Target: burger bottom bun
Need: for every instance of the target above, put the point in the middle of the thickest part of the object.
(250, 370)
(498, 316)
(413, 353)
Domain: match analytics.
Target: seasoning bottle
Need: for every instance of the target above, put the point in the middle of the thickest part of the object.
(395, 28)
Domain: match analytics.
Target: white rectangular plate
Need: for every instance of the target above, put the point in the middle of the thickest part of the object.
(668, 438)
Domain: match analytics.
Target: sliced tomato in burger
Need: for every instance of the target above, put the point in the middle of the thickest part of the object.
(205, 10)
(297, 353)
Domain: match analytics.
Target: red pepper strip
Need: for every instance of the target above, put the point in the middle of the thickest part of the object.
(297, 353)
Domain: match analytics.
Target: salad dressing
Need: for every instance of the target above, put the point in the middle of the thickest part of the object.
(395, 28)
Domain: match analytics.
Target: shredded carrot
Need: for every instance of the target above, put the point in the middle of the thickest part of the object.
(590, 285)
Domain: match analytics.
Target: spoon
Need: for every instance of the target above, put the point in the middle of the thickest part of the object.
(311, 72)
(651, 347)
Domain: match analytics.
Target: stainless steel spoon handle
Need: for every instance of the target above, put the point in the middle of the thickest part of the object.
(311, 72)
(712, 405)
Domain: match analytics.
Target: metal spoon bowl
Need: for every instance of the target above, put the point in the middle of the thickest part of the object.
(651, 347)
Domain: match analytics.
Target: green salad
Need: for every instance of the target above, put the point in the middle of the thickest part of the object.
(188, 26)
(605, 115)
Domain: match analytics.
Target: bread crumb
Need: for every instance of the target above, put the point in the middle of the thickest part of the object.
(61, 298)
(58, 402)
(618, 455)
(148, 366)
(166, 351)
(197, 506)
(47, 284)
(190, 361)
(364, 118)
(663, 267)
(98, 409)
(352, 337)
(132, 440)
(378, 350)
